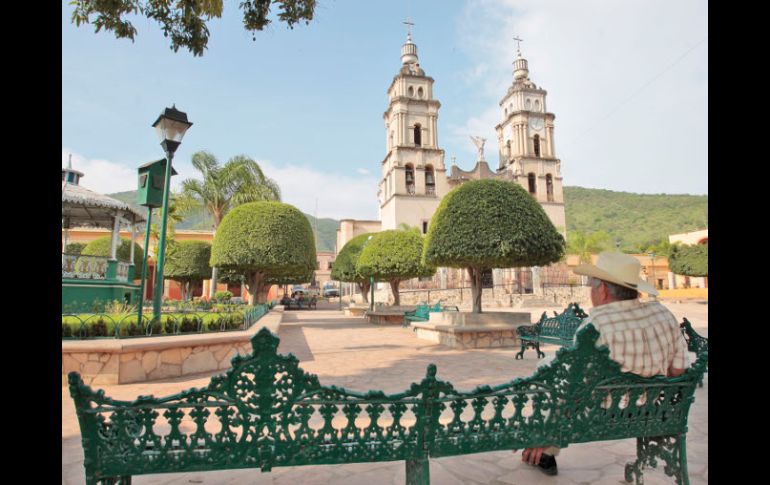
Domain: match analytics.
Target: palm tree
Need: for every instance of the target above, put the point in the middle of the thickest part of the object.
(237, 182)
(584, 245)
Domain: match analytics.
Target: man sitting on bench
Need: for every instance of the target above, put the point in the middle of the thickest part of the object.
(643, 337)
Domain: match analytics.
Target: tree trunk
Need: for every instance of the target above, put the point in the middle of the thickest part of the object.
(213, 286)
(364, 287)
(255, 286)
(475, 275)
(185, 285)
(394, 284)
(214, 269)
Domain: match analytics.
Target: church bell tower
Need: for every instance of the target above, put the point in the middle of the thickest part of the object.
(526, 143)
(413, 173)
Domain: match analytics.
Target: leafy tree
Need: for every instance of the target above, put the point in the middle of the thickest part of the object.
(584, 245)
(185, 21)
(393, 256)
(238, 181)
(265, 242)
(689, 260)
(189, 264)
(485, 224)
(101, 247)
(344, 268)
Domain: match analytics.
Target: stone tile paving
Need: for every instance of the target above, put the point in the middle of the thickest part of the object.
(348, 352)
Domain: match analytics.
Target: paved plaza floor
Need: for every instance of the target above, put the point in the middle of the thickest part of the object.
(351, 353)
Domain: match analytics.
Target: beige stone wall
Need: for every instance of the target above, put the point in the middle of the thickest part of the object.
(470, 340)
(107, 362)
(350, 228)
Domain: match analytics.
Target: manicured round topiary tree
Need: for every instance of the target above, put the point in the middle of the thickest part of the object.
(393, 256)
(689, 260)
(101, 247)
(485, 224)
(189, 264)
(344, 268)
(264, 241)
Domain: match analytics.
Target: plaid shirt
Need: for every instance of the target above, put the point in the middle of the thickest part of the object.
(643, 336)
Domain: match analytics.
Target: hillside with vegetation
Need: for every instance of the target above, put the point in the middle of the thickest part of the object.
(639, 221)
(200, 220)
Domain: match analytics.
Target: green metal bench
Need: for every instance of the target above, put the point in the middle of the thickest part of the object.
(559, 330)
(422, 312)
(266, 412)
(695, 342)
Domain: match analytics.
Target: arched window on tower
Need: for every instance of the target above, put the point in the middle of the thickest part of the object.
(430, 181)
(532, 183)
(549, 187)
(417, 135)
(508, 150)
(409, 179)
(537, 145)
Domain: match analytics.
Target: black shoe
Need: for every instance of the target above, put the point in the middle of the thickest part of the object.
(548, 464)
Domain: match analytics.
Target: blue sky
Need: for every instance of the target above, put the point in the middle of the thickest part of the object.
(627, 81)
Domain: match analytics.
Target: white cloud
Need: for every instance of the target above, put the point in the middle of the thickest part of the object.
(628, 82)
(337, 196)
(100, 175)
(363, 171)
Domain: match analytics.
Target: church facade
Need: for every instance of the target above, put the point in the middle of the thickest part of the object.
(413, 173)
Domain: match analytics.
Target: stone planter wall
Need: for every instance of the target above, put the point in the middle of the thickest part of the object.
(475, 339)
(113, 361)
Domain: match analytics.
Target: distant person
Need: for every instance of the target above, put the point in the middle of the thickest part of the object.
(643, 336)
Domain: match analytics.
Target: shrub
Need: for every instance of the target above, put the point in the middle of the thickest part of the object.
(74, 248)
(393, 256)
(262, 241)
(189, 264)
(689, 260)
(485, 224)
(223, 296)
(345, 265)
(101, 247)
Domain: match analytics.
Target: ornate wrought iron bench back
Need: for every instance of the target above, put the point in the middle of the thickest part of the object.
(267, 412)
(559, 329)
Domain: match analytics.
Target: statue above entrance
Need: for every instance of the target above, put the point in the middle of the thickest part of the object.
(479, 142)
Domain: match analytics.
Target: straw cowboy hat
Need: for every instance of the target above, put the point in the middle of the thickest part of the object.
(617, 268)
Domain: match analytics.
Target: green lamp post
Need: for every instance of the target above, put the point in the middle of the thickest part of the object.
(150, 195)
(171, 126)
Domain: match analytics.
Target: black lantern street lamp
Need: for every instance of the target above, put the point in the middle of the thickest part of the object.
(171, 126)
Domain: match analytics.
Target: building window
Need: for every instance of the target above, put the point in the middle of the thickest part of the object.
(411, 91)
(430, 181)
(425, 227)
(417, 135)
(532, 183)
(549, 187)
(537, 145)
(508, 149)
(410, 179)
(419, 93)
(331, 263)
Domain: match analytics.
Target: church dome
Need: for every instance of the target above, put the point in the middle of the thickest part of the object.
(520, 69)
(409, 51)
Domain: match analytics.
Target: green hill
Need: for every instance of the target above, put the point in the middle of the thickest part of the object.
(638, 220)
(327, 228)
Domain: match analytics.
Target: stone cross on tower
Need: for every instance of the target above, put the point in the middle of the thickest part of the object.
(518, 44)
(409, 25)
